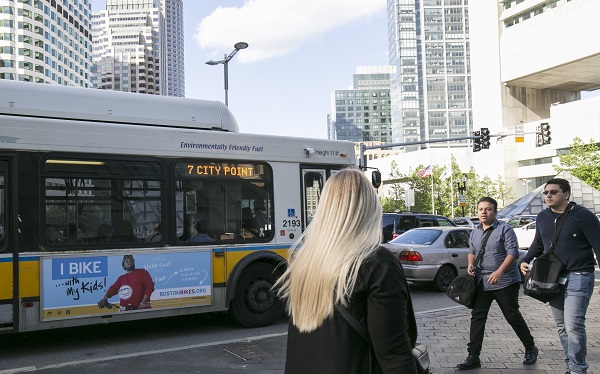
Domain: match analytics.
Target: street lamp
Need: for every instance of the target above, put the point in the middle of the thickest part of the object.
(461, 185)
(526, 184)
(225, 61)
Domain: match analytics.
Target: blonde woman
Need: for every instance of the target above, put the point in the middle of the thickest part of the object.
(338, 260)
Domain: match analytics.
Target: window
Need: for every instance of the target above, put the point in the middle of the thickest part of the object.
(223, 202)
(100, 203)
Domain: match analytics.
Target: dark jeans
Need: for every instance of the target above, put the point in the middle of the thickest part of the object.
(508, 301)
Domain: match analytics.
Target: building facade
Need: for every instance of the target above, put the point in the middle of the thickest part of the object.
(129, 47)
(429, 46)
(533, 62)
(363, 113)
(46, 41)
(173, 14)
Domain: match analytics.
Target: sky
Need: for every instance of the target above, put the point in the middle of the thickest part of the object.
(299, 53)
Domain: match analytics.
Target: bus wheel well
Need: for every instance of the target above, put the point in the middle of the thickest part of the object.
(254, 302)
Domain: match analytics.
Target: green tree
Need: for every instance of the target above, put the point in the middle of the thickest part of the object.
(445, 191)
(583, 161)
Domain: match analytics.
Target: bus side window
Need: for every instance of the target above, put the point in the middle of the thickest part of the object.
(82, 195)
(3, 208)
(233, 201)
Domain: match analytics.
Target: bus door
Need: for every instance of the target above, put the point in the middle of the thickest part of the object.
(312, 186)
(8, 253)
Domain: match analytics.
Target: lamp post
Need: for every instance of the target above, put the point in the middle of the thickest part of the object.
(225, 61)
(461, 185)
(526, 184)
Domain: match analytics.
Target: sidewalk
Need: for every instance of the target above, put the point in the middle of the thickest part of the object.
(445, 332)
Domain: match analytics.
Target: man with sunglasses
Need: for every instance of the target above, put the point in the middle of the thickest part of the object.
(575, 246)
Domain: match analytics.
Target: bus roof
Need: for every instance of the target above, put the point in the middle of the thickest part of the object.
(54, 101)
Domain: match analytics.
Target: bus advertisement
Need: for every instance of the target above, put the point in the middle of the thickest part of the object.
(71, 287)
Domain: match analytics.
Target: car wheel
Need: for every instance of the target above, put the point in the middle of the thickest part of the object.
(443, 278)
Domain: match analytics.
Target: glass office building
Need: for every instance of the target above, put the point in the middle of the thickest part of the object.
(363, 113)
(429, 46)
(46, 41)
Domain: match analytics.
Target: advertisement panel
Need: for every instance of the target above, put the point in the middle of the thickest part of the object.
(75, 286)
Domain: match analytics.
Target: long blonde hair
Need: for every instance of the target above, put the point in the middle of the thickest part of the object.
(324, 262)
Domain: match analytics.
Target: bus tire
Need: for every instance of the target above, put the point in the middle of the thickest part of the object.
(254, 303)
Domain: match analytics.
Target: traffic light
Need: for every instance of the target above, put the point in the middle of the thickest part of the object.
(542, 135)
(477, 141)
(485, 138)
(545, 130)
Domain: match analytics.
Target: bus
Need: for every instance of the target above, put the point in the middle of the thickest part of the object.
(91, 180)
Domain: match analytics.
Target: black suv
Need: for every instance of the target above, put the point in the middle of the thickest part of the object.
(394, 224)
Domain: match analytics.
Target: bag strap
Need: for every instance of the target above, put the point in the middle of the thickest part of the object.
(486, 236)
(559, 224)
(354, 322)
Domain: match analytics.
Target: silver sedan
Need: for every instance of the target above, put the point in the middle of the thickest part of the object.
(432, 254)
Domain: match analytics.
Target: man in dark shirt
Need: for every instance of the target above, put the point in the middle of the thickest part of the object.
(497, 278)
(575, 246)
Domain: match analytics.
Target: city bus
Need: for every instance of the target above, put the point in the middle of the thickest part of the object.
(92, 180)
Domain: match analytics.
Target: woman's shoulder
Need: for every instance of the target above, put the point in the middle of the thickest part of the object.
(382, 259)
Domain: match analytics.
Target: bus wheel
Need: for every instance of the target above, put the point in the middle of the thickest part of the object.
(254, 303)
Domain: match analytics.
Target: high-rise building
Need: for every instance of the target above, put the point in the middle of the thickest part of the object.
(129, 47)
(363, 112)
(46, 41)
(173, 14)
(429, 45)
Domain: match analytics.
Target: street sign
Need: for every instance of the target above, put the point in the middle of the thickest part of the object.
(519, 134)
(462, 200)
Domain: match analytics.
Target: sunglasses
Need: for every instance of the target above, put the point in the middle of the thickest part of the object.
(551, 192)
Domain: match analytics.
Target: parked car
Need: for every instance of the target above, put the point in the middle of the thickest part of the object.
(525, 235)
(522, 220)
(466, 221)
(394, 224)
(433, 254)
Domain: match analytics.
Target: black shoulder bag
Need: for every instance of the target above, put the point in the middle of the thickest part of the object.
(419, 352)
(541, 281)
(462, 288)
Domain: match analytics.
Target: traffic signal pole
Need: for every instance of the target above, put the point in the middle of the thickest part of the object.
(481, 140)
(363, 147)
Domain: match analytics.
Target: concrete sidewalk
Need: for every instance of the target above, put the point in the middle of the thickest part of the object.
(445, 332)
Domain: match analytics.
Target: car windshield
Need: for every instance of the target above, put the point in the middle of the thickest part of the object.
(424, 237)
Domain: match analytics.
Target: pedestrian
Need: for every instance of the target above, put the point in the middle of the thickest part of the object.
(497, 278)
(338, 263)
(577, 241)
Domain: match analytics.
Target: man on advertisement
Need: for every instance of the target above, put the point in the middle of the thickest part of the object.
(134, 288)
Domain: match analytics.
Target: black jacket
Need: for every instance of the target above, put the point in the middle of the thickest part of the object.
(580, 233)
(381, 299)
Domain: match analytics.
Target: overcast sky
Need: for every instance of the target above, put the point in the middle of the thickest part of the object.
(299, 52)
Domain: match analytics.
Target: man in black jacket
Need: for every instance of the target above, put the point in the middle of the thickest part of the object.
(575, 246)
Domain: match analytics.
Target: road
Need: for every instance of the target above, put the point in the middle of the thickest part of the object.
(45, 348)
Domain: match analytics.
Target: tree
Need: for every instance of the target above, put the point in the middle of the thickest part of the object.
(583, 161)
(445, 193)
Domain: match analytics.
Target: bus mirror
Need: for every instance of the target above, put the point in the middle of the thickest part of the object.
(376, 178)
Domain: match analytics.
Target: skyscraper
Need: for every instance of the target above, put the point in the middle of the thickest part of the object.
(429, 45)
(132, 40)
(363, 112)
(173, 13)
(46, 41)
